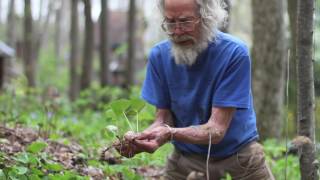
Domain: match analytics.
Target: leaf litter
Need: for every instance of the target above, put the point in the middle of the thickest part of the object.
(16, 140)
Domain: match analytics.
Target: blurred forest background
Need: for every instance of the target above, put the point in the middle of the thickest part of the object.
(70, 77)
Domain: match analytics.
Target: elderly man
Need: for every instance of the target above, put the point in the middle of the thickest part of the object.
(200, 82)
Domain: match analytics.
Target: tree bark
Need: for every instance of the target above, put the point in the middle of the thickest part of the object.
(11, 40)
(42, 30)
(88, 47)
(11, 22)
(268, 54)
(292, 12)
(29, 61)
(306, 99)
(104, 43)
(0, 13)
(74, 56)
(225, 27)
(57, 39)
(131, 43)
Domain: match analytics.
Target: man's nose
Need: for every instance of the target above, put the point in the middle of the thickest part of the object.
(177, 30)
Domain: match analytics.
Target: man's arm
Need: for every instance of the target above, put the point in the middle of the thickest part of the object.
(162, 117)
(216, 126)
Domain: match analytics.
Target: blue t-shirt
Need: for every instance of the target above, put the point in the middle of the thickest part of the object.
(221, 77)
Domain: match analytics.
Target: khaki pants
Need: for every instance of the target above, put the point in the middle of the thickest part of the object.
(247, 164)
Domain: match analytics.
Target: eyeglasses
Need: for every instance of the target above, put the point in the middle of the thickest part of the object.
(185, 26)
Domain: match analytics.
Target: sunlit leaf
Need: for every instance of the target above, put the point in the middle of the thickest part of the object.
(21, 170)
(36, 147)
(120, 106)
(54, 166)
(137, 104)
(34, 177)
(36, 172)
(23, 158)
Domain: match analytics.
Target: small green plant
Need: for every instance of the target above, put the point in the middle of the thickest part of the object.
(279, 163)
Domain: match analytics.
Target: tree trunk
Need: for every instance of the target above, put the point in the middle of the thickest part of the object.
(42, 30)
(57, 39)
(11, 39)
(131, 43)
(0, 13)
(11, 23)
(74, 57)
(88, 47)
(292, 11)
(104, 44)
(268, 54)
(2, 71)
(225, 27)
(306, 99)
(29, 62)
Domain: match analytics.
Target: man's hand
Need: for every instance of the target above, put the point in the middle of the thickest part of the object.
(150, 140)
(147, 141)
(125, 147)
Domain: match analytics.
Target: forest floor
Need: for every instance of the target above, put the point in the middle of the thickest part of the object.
(18, 139)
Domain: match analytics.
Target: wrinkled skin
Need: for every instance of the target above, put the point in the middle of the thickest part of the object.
(148, 141)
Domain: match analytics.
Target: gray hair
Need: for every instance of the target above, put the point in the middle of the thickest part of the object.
(212, 12)
(212, 15)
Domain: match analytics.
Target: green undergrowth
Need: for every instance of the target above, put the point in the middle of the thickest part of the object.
(94, 122)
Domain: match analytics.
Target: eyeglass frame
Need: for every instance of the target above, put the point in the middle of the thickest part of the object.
(179, 25)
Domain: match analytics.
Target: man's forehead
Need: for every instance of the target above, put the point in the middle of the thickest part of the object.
(183, 8)
(180, 4)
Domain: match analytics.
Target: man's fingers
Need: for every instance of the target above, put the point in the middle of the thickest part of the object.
(148, 146)
(130, 135)
(144, 136)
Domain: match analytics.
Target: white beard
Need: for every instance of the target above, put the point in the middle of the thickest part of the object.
(187, 55)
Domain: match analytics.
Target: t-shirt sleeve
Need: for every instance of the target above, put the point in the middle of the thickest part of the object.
(154, 89)
(234, 88)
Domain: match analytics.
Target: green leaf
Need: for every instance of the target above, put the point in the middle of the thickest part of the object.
(54, 167)
(119, 106)
(69, 175)
(34, 177)
(55, 177)
(2, 175)
(23, 158)
(20, 170)
(33, 160)
(36, 172)
(36, 147)
(13, 174)
(137, 104)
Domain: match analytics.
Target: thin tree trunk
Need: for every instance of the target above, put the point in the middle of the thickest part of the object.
(268, 54)
(42, 31)
(225, 27)
(74, 57)
(292, 11)
(60, 13)
(29, 62)
(306, 99)
(131, 43)
(57, 42)
(88, 47)
(11, 39)
(104, 42)
(2, 72)
(11, 23)
(0, 13)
